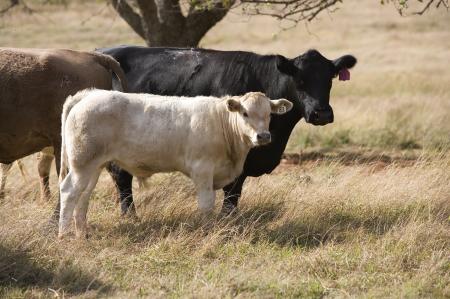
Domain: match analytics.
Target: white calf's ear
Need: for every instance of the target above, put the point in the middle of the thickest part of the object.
(280, 106)
(233, 105)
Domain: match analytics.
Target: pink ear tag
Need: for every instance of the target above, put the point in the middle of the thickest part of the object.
(344, 75)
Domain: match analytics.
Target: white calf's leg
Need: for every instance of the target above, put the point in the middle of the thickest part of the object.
(5, 169)
(81, 208)
(206, 199)
(203, 180)
(71, 189)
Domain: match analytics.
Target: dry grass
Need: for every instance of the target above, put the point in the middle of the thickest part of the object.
(366, 213)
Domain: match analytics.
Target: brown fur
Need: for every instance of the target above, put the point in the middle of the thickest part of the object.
(34, 83)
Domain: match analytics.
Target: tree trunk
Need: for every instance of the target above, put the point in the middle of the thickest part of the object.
(162, 23)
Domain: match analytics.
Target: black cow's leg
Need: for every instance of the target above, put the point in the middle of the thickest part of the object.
(232, 193)
(123, 181)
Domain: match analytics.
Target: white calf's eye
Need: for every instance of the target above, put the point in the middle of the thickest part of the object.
(245, 114)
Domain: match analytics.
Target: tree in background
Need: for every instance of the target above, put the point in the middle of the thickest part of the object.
(183, 23)
(180, 23)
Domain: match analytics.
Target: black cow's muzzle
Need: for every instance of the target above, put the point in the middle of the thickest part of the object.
(320, 117)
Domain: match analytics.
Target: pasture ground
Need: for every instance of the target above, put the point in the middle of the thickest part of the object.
(364, 213)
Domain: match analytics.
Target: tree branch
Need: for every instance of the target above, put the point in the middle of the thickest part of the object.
(162, 23)
(292, 10)
(149, 14)
(427, 6)
(12, 3)
(200, 19)
(169, 11)
(130, 16)
(403, 5)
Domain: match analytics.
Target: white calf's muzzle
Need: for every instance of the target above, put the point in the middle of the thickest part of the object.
(262, 138)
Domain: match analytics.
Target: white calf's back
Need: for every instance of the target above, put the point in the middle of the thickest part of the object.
(145, 133)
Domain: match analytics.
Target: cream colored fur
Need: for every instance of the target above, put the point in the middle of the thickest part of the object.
(205, 138)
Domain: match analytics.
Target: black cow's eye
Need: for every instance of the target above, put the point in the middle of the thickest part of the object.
(245, 114)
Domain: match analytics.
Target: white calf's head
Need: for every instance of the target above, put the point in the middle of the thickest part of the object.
(253, 118)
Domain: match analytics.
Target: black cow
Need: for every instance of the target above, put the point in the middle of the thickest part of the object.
(305, 80)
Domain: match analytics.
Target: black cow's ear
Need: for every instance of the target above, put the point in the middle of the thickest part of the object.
(286, 66)
(344, 62)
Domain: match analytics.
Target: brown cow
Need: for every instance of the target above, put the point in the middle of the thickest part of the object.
(34, 84)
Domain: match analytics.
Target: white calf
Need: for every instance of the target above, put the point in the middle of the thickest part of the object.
(205, 138)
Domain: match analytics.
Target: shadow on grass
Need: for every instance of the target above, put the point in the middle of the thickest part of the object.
(261, 223)
(19, 269)
(336, 228)
(349, 158)
(311, 231)
(152, 225)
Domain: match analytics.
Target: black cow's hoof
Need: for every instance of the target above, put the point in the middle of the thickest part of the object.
(131, 215)
(50, 226)
(228, 210)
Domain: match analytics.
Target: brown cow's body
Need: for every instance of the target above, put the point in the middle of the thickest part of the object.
(34, 84)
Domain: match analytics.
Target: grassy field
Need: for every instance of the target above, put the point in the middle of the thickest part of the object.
(363, 212)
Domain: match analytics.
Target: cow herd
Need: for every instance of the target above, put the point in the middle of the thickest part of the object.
(216, 116)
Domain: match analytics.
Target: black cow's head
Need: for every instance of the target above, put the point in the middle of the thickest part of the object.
(313, 74)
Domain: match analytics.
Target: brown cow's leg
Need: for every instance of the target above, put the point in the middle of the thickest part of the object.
(44, 159)
(4, 169)
(22, 170)
(57, 151)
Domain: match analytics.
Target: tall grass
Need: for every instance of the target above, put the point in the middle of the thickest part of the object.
(347, 230)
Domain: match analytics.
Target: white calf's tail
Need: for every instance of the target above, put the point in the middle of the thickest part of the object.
(70, 102)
